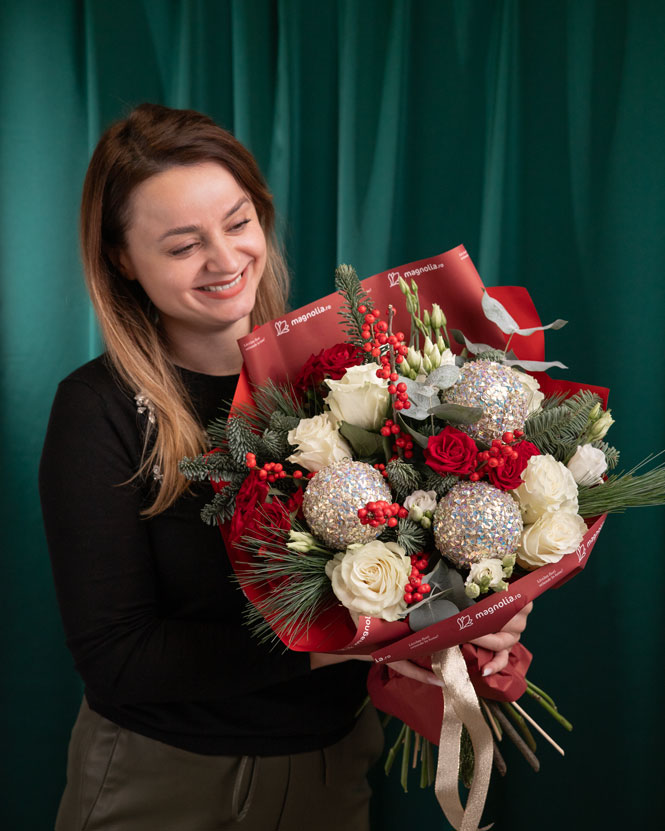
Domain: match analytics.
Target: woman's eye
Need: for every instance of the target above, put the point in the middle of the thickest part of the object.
(239, 225)
(185, 249)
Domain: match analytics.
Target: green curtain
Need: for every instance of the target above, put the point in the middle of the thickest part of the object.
(532, 131)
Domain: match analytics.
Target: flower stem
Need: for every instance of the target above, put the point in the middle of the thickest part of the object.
(550, 709)
(392, 753)
(405, 759)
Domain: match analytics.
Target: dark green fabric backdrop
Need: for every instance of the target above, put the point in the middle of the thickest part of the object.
(531, 131)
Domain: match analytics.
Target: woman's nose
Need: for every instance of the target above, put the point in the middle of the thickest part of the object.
(222, 256)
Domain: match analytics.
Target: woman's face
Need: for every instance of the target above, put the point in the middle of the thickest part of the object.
(195, 245)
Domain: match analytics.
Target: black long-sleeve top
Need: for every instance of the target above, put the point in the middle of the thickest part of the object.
(151, 616)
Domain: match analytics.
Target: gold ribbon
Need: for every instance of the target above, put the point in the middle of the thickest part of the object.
(461, 708)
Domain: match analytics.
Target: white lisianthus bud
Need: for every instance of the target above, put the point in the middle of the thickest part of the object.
(427, 365)
(588, 465)
(318, 443)
(414, 359)
(428, 347)
(359, 397)
(426, 320)
(447, 357)
(426, 522)
(301, 541)
(472, 590)
(416, 513)
(370, 579)
(437, 316)
(599, 428)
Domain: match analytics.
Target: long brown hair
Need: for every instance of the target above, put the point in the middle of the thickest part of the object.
(150, 140)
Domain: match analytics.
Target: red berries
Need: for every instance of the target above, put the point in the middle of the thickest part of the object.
(381, 513)
(415, 589)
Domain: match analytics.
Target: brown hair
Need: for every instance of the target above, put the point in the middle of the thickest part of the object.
(152, 139)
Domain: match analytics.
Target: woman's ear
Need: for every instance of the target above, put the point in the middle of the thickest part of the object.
(121, 262)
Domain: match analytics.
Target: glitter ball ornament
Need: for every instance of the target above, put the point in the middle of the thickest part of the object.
(333, 497)
(476, 521)
(499, 392)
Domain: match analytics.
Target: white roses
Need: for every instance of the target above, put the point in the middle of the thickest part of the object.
(588, 465)
(548, 485)
(370, 579)
(548, 501)
(359, 397)
(550, 537)
(319, 443)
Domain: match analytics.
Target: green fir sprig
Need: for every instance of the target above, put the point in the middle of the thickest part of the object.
(625, 490)
(353, 295)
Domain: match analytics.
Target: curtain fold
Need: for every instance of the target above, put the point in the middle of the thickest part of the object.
(389, 130)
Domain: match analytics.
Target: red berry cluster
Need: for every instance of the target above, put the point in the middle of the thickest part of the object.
(381, 513)
(271, 471)
(401, 441)
(382, 469)
(497, 454)
(415, 589)
(376, 336)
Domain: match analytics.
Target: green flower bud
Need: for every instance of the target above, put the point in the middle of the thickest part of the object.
(426, 320)
(414, 359)
(501, 587)
(427, 365)
(472, 591)
(508, 561)
(404, 287)
(414, 287)
(441, 344)
(594, 413)
(508, 572)
(600, 427)
(428, 347)
(426, 522)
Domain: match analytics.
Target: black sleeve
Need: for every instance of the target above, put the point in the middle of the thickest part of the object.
(105, 576)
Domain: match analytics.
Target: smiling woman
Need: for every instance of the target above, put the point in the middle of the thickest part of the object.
(188, 722)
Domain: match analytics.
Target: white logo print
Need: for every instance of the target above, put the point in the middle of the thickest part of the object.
(464, 621)
(281, 327)
(393, 278)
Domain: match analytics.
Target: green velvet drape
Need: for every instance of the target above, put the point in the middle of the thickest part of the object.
(533, 131)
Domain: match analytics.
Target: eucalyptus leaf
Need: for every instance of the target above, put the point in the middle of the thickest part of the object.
(536, 366)
(498, 314)
(475, 348)
(364, 442)
(457, 413)
(443, 377)
(557, 324)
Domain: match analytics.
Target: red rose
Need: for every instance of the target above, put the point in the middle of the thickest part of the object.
(507, 477)
(451, 451)
(252, 493)
(266, 516)
(329, 363)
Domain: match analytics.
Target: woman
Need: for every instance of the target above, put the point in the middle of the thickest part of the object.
(187, 722)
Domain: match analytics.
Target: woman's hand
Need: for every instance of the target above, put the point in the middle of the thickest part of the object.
(502, 641)
(411, 670)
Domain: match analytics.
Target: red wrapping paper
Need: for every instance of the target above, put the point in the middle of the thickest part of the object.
(421, 705)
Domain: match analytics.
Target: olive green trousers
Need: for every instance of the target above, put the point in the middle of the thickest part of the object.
(118, 780)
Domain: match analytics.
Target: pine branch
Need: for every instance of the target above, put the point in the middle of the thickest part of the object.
(625, 490)
(404, 478)
(353, 295)
(439, 484)
(241, 439)
(219, 467)
(611, 453)
(558, 430)
(222, 505)
(410, 535)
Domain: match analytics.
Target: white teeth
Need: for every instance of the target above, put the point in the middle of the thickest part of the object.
(225, 287)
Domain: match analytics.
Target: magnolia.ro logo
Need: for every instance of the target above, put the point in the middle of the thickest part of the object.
(393, 278)
(281, 327)
(464, 621)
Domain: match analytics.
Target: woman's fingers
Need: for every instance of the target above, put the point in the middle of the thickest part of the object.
(498, 662)
(425, 676)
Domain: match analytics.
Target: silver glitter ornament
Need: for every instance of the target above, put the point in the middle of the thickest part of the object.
(500, 393)
(476, 521)
(333, 497)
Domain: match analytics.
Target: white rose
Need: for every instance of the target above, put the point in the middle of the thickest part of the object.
(547, 486)
(532, 388)
(319, 443)
(489, 571)
(425, 500)
(370, 579)
(548, 539)
(360, 397)
(588, 465)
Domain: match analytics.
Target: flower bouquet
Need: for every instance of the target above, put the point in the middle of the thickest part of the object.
(410, 486)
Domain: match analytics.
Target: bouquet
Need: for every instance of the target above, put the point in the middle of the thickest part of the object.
(409, 486)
